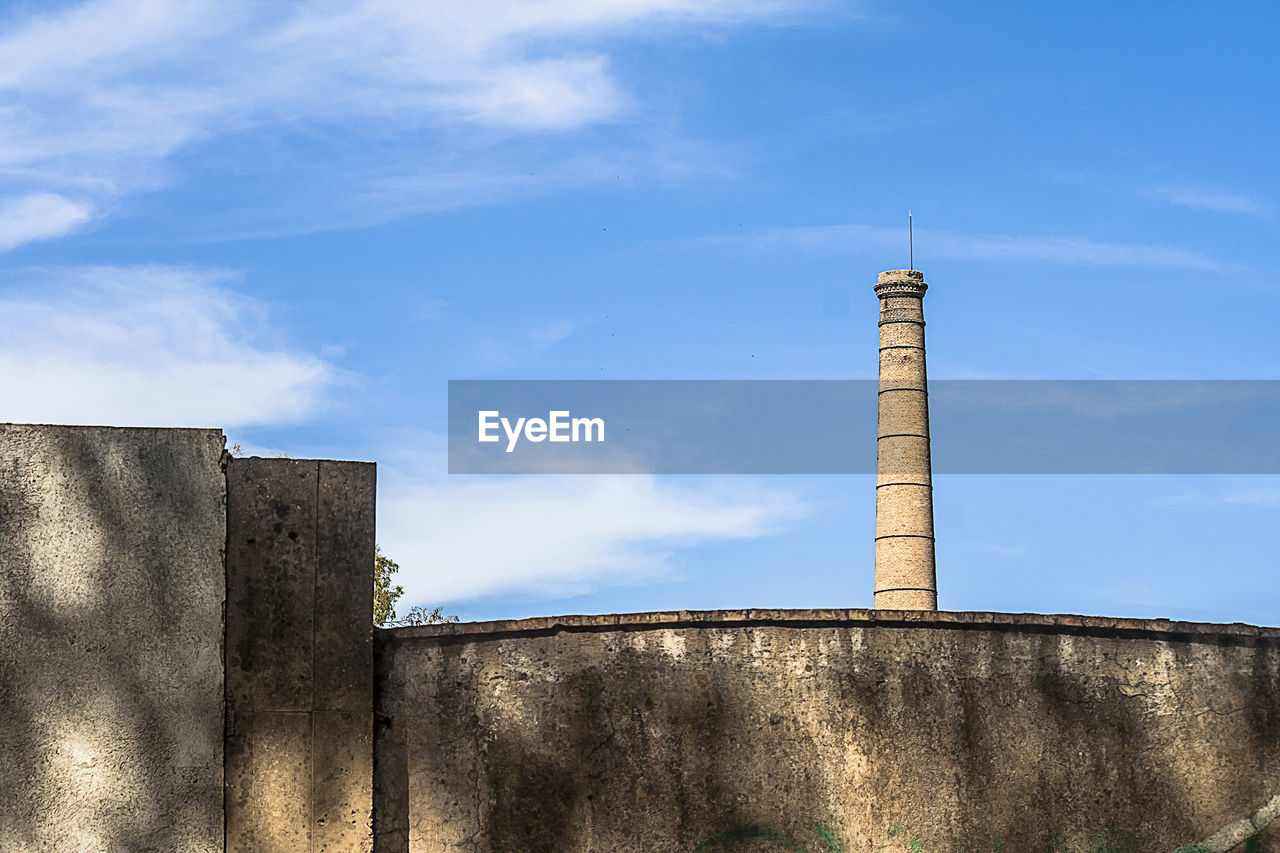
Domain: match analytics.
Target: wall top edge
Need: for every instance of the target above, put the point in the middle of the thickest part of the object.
(289, 460)
(1037, 622)
(104, 427)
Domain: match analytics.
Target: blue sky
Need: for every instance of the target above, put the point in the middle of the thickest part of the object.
(297, 221)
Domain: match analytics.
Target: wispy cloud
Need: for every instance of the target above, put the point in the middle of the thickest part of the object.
(1267, 497)
(39, 216)
(148, 346)
(550, 334)
(96, 96)
(1200, 198)
(1237, 491)
(1129, 595)
(829, 240)
(461, 537)
(996, 548)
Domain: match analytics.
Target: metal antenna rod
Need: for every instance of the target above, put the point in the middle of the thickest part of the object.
(911, 242)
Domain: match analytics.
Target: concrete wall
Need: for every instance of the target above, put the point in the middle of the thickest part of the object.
(827, 731)
(831, 731)
(111, 637)
(300, 544)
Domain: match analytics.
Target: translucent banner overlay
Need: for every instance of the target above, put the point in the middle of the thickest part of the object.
(830, 426)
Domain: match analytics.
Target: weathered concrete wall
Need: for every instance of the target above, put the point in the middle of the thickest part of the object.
(826, 731)
(111, 595)
(300, 549)
(767, 730)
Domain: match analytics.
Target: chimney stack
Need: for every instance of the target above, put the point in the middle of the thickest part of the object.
(905, 576)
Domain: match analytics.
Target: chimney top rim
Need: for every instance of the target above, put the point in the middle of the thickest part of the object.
(892, 275)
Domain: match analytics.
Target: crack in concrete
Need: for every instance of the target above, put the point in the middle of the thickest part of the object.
(597, 747)
(1226, 713)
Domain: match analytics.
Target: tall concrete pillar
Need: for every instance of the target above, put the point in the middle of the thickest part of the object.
(905, 577)
(299, 656)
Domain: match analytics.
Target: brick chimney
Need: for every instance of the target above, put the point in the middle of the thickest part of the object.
(905, 576)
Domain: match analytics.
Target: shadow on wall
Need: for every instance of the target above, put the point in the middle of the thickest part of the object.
(826, 733)
(816, 731)
(111, 593)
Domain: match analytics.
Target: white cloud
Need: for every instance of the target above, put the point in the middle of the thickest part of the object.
(1240, 491)
(148, 346)
(547, 95)
(828, 240)
(39, 216)
(550, 334)
(95, 96)
(1199, 198)
(996, 548)
(1130, 595)
(1255, 497)
(461, 537)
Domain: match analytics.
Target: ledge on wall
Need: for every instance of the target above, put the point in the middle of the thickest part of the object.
(1028, 622)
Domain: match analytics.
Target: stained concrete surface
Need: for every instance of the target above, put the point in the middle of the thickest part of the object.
(793, 731)
(299, 758)
(111, 595)
(824, 731)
